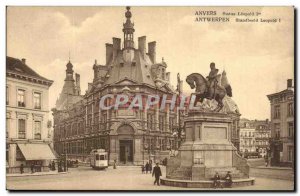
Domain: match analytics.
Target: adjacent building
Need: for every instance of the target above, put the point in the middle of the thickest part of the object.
(129, 136)
(255, 136)
(247, 138)
(262, 137)
(28, 134)
(282, 126)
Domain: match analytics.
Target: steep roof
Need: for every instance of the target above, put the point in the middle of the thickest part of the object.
(14, 65)
(138, 69)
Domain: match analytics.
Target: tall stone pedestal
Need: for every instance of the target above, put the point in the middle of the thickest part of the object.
(207, 149)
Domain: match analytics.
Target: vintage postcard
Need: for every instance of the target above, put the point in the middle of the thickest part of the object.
(150, 98)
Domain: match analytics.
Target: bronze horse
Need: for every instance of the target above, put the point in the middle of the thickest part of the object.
(197, 81)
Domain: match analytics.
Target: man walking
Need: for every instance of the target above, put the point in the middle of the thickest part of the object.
(156, 173)
(147, 167)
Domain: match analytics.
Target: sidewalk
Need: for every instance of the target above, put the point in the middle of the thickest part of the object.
(36, 174)
(282, 173)
(272, 167)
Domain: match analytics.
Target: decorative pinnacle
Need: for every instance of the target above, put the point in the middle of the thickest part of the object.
(128, 13)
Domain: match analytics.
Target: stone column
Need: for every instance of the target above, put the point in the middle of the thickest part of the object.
(167, 128)
(138, 159)
(145, 119)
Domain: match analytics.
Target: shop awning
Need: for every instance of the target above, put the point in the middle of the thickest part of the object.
(36, 151)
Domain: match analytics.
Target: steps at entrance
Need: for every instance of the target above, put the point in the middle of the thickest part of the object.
(235, 173)
(185, 173)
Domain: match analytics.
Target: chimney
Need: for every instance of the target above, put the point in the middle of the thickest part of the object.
(24, 61)
(109, 52)
(289, 83)
(142, 45)
(77, 80)
(116, 46)
(152, 51)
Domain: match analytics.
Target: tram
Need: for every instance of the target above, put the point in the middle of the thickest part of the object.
(99, 159)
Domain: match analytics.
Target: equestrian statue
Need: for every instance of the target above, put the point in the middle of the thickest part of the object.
(214, 87)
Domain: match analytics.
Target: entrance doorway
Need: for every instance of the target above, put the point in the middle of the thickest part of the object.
(126, 151)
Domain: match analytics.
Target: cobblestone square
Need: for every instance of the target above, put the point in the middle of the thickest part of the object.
(122, 178)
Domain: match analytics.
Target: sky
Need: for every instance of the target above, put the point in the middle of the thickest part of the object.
(257, 57)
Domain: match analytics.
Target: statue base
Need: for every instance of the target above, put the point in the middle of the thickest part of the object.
(207, 150)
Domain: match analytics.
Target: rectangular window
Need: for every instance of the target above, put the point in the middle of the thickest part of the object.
(277, 111)
(150, 121)
(37, 100)
(171, 121)
(37, 130)
(277, 130)
(161, 123)
(21, 98)
(291, 129)
(290, 109)
(21, 129)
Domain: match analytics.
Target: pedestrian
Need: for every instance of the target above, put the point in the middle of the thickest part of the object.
(32, 168)
(53, 166)
(115, 164)
(150, 167)
(217, 180)
(143, 169)
(65, 165)
(228, 179)
(59, 166)
(22, 168)
(147, 167)
(157, 174)
(266, 161)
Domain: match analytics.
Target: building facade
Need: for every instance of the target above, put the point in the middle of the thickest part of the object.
(247, 139)
(262, 137)
(28, 136)
(129, 136)
(282, 126)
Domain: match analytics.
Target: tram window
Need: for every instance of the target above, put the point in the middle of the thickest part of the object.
(97, 157)
(102, 157)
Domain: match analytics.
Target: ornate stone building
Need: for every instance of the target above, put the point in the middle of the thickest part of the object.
(130, 136)
(28, 135)
(282, 126)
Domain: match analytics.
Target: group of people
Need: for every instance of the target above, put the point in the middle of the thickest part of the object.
(52, 166)
(156, 171)
(147, 167)
(217, 180)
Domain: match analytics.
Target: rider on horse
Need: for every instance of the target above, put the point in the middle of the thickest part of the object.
(212, 80)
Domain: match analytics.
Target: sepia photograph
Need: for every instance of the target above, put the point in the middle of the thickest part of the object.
(150, 98)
